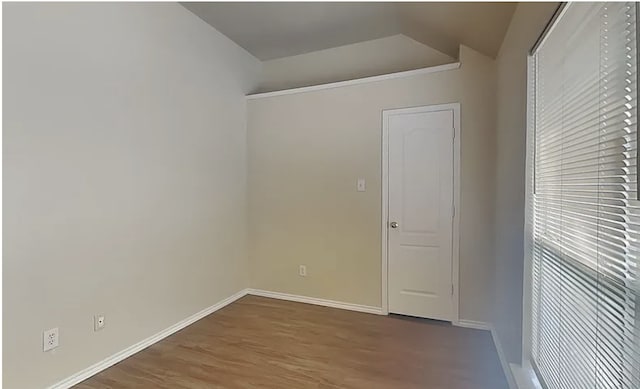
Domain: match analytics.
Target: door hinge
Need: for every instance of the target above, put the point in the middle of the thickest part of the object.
(454, 211)
(452, 289)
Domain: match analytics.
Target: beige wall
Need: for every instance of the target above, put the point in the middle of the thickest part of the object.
(526, 25)
(306, 152)
(124, 177)
(379, 56)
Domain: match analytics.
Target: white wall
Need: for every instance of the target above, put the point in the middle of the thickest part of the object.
(124, 177)
(306, 151)
(379, 56)
(526, 25)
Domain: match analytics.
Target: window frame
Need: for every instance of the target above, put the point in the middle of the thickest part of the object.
(529, 374)
(527, 294)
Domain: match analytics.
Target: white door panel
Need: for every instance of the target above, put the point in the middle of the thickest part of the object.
(420, 169)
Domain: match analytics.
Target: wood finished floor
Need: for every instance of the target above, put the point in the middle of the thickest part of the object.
(258, 342)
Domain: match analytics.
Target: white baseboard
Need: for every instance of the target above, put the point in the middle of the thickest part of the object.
(316, 301)
(525, 377)
(477, 325)
(480, 325)
(503, 360)
(129, 351)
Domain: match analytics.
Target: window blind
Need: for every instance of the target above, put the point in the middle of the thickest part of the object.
(583, 210)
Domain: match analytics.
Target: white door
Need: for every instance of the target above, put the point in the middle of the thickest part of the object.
(420, 213)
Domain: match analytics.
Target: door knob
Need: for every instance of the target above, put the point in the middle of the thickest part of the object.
(394, 224)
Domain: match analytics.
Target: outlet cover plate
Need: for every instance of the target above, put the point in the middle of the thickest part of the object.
(50, 339)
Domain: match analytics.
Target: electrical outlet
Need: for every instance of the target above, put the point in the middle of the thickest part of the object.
(50, 339)
(302, 271)
(98, 322)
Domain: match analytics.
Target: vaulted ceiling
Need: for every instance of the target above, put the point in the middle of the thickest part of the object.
(276, 30)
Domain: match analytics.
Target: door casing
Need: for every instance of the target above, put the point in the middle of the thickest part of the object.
(455, 271)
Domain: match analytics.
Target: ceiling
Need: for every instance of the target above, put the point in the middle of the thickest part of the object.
(276, 30)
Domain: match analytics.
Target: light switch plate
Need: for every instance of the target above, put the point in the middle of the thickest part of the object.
(362, 185)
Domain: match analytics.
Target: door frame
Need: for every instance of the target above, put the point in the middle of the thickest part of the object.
(455, 249)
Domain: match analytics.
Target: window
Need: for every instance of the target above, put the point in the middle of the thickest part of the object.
(583, 213)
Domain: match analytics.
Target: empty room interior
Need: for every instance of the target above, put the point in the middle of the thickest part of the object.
(358, 195)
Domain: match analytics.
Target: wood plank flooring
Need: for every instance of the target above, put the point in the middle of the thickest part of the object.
(258, 342)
